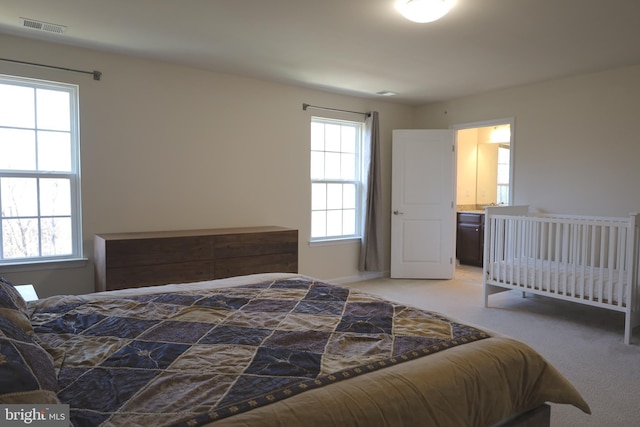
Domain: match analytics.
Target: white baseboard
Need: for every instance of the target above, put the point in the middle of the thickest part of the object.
(364, 275)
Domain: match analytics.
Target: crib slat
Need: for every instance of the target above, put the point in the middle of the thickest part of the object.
(490, 247)
(583, 231)
(499, 242)
(610, 247)
(503, 247)
(500, 247)
(538, 256)
(620, 265)
(529, 253)
(573, 261)
(547, 270)
(585, 291)
(519, 230)
(568, 261)
(532, 255)
(576, 260)
(557, 256)
(592, 261)
(603, 252)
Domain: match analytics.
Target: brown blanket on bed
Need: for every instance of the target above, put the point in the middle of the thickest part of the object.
(191, 357)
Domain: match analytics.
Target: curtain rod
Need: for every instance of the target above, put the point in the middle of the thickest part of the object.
(96, 74)
(305, 106)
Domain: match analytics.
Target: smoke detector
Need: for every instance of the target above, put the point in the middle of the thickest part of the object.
(42, 26)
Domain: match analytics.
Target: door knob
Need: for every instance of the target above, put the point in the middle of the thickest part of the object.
(397, 212)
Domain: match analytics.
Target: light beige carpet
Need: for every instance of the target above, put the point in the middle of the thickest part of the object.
(583, 343)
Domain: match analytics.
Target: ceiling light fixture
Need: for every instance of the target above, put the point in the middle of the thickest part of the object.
(423, 11)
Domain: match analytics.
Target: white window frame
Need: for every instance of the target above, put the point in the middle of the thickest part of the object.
(503, 186)
(73, 176)
(357, 181)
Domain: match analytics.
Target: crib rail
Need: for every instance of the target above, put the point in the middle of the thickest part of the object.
(588, 258)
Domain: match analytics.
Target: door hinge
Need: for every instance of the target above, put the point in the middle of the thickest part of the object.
(450, 260)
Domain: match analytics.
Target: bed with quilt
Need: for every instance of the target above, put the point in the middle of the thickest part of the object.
(264, 350)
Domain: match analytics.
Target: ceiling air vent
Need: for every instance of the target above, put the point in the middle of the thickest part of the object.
(42, 26)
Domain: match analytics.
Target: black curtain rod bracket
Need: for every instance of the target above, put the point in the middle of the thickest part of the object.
(96, 74)
(306, 106)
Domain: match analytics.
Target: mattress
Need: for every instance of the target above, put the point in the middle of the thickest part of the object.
(281, 350)
(597, 283)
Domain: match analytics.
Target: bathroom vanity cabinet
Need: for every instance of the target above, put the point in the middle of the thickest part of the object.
(470, 238)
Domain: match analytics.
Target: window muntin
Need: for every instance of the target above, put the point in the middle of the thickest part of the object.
(336, 185)
(39, 171)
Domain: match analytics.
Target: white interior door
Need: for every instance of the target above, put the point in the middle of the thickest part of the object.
(422, 204)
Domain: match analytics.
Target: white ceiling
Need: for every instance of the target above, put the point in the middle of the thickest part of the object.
(358, 47)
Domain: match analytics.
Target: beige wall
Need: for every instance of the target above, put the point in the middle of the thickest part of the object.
(168, 147)
(576, 142)
(467, 166)
(487, 173)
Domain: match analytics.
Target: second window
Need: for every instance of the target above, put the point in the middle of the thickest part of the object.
(336, 185)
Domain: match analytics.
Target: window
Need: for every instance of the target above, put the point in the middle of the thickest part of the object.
(39, 171)
(504, 154)
(336, 185)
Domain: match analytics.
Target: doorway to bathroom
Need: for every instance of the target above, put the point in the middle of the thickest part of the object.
(484, 164)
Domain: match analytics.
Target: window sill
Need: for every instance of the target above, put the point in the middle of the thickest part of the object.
(43, 265)
(333, 242)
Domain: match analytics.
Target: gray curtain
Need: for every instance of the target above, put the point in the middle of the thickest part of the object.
(371, 248)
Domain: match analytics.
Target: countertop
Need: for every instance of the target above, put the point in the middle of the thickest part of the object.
(472, 211)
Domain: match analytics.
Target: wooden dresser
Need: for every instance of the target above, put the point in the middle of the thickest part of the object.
(131, 260)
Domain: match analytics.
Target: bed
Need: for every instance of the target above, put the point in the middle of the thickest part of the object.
(264, 350)
(584, 259)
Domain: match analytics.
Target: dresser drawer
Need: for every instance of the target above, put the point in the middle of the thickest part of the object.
(157, 251)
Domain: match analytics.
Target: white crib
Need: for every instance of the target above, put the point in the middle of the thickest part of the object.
(589, 260)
